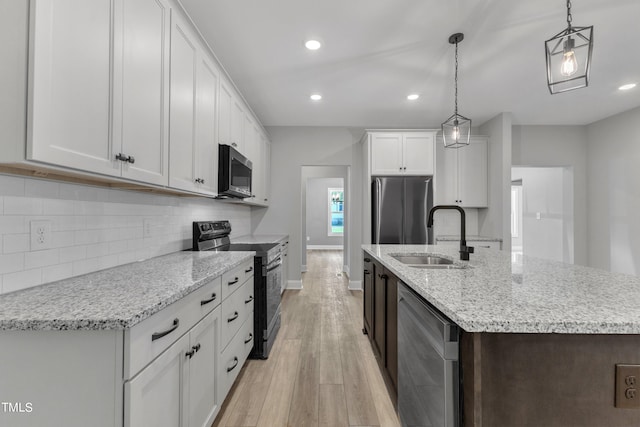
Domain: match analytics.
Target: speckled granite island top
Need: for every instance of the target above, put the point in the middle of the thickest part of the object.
(532, 295)
(116, 298)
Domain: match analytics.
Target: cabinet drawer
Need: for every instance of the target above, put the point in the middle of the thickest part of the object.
(234, 356)
(233, 279)
(235, 311)
(152, 336)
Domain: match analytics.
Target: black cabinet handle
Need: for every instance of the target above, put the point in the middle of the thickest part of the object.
(248, 340)
(131, 159)
(196, 347)
(189, 354)
(121, 157)
(235, 359)
(249, 270)
(247, 301)
(158, 335)
(231, 319)
(207, 301)
(233, 282)
(367, 272)
(367, 260)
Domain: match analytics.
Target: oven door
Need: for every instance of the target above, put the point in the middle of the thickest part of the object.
(274, 278)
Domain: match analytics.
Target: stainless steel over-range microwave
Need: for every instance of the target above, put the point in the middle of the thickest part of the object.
(234, 173)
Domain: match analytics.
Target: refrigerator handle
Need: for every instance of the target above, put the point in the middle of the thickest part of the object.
(379, 209)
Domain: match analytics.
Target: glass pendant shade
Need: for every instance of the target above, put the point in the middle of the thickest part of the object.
(456, 131)
(569, 57)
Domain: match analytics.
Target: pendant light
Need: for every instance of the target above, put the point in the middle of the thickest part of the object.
(456, 129)
(569, 57)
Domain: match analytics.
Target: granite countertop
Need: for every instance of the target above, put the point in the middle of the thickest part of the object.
(472, 238)
(533, 295)
(259, 238)
(115, 298)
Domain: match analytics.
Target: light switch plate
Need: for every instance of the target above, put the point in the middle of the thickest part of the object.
(627, 383)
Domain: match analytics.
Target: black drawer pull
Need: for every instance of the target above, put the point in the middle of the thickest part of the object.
(247, 301)
(249, 270)
(235, 359)
(233, 282)
(231, 319)
(158, 335)
(207, 301)
(196, 347)
(248, 340)
(367, 260)
(189, 354)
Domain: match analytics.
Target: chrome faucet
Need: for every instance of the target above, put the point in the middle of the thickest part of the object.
(464, 249)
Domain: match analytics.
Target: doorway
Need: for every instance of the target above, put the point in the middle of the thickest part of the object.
(542, 223)
(325, 212)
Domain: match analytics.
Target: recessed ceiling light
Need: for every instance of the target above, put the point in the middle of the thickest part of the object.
(316, 97)
(413, 97)
(313, 44)
(627, 86)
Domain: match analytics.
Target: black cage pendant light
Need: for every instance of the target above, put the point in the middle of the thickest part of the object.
(569, 57)
(456, 130)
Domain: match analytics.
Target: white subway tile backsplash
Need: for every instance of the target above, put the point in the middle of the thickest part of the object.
(10, 263)
(22, 206)
(95, 228)
(41, 188)
(12, 185)
(21, 280)
(57, 272)
(41, 258)
(12, 243)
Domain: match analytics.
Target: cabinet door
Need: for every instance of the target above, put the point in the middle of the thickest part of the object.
(206, 145)
(472, 174)
(141, 86)
(266, 160)
(379, 312)
(386, 154)
(154, 397)
(418, 154)
(224, 114)
(447, 175)
(368, 296)
(184, 55)
(237, 125)
(391, 339)
(203, 371)
(70, 90)
(252, 152)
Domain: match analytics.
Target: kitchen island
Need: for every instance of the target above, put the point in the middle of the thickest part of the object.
(539, 340)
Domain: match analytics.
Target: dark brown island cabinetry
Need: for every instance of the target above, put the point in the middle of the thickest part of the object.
(380, 318)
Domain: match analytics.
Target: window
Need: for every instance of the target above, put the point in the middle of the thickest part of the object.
(336, 211)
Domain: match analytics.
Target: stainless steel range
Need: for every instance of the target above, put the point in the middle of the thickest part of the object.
(214, 236)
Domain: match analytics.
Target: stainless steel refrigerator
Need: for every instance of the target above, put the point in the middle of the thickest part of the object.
(399, 210)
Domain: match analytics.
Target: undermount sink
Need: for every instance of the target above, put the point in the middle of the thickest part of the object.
(427, 261)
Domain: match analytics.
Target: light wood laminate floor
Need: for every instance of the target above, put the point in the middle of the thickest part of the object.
(321, 370)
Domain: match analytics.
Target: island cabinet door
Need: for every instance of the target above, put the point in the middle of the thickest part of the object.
(368, 275)
(391, 342)
(379, 314)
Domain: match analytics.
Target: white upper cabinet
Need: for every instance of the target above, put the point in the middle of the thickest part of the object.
(99, 92)
(141, 116)
(231, 119)
(462, 177)
(402, 153)
(70, 92)
(206, 161)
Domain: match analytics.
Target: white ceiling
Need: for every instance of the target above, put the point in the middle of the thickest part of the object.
(376, 52)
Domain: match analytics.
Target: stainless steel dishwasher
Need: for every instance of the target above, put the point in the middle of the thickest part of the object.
(428, 370)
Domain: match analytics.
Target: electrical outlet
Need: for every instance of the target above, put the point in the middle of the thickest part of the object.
(40, 235)
(627, 383)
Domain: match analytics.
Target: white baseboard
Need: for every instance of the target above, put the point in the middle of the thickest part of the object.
(294, 284)
(355, 285)
(324, 247)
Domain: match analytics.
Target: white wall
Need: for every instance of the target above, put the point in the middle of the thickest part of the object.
(559, 146)
(495, 221)
(613, 182)
(95, 228)
(292, 148)
(317, 212)
(547, 218)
